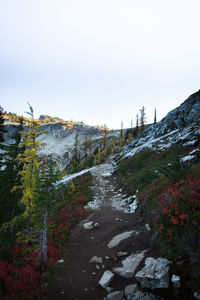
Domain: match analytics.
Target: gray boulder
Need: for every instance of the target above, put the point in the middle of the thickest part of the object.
(116, 295)
(155, 274)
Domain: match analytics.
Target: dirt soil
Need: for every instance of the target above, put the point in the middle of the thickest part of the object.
(77, 279)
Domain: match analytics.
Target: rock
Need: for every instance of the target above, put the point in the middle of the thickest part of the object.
(155, 274)
(120, 254)
(176, 281)
(94, 273)
(116, 295)
(96, 225)
(106, 279)
(117, 219)
(97, 267)
(83, 271)
(147, 227)
(130, 290)
(109, 289)
(61, 261)
(88, 225)
(96, 259)
(86, 290)
(129, 265)
(197, 296)
(138, 295)
(92, 238)
(120, 237)
(107, 257)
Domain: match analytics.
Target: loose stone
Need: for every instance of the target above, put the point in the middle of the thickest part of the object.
(106, 279)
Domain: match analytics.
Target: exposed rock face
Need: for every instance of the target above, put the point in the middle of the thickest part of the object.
(155, 274)
(59, 139)
(180, 125)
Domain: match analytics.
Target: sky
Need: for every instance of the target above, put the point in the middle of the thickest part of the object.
(98, 61)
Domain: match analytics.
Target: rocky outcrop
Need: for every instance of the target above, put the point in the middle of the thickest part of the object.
(155, 274)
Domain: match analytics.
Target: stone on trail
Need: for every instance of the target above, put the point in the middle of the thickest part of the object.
(129, 265)
(106, 279)
(88, 225)
(176, 281)
(155, 274)
(130, 290)
(120, 237)
(116, 295)
(147, 227)
(120, 254)
(97, 260)
(109, 289)
(61, 261)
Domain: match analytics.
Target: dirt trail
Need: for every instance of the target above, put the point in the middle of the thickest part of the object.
(77, 279)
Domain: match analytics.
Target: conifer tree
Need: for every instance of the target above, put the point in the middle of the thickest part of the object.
(155, 117)
(142, 117)
(44, 198)
(137, 124)
(9, 201)
(121, 138)
(2, 130)
(30, 166)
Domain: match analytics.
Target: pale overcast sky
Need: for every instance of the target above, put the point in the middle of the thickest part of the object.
(98, 61)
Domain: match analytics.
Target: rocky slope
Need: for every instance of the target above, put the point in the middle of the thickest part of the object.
(60, 139)
(180, 125)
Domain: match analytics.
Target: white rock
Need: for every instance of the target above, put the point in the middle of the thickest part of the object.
(96, 225)
(129, 265)
(130, 290)
(139, 295)
(88, 225)
(120, 254)
(94, 273)
(197, 296)
(106, 279)
(120, 237)
(116, 295)
(176, 281)
(97, 260)
(155, 274)
(109, 289)
(97, 267)
(147, 227)
(107, 257)
(61, 261)
(86, 290)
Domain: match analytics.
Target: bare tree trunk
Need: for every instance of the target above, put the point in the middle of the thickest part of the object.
(44, 237)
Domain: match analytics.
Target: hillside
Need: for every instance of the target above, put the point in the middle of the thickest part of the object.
(127, 227)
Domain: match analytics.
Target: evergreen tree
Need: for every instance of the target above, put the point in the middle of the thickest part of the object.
(2, 130)
(155, 117)
(137, 125)
(121, 138)
(142, 117)
(30, 166)
(10, 201)
(44, 198)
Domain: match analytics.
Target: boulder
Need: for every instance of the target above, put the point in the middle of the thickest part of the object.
(106, 279)
(130, 290)
(120, 237)
(129, 265)
(116, 295)
(155, 274)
